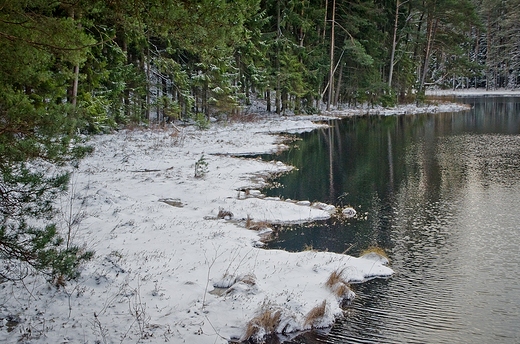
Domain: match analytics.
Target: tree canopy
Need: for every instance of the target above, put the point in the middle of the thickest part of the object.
(119, 61)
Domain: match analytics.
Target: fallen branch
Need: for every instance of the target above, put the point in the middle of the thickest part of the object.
(148, 170)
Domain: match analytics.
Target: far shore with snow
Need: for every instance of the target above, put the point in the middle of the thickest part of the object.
(473, 92)
(175, 260)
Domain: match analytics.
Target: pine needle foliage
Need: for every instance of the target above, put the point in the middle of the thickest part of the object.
(40, 44)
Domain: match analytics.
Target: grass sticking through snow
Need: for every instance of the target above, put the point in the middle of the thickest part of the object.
(256, 225)
(338, 285)
(315, 314)
(376, 250)
(264, 324)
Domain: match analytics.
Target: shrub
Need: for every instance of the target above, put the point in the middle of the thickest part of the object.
(201, 121)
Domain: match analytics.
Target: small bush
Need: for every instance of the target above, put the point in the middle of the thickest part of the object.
(249, 279)
(388, 98)
(307, 247)
(201, 121)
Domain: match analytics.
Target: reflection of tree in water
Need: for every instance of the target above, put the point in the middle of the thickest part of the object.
(365, 161)
(439, 192)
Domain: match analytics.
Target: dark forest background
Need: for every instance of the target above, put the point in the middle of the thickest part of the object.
(116, 61)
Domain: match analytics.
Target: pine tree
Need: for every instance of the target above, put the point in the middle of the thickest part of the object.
(40, 45)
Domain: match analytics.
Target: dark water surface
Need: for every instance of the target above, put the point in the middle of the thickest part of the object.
(441, 194)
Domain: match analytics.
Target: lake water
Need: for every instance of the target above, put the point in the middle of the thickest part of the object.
(441, 194)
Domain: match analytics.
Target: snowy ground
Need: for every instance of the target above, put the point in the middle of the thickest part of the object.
(473, 92)
(166, 268)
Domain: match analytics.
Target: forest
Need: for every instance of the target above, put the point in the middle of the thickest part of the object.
(118, 61)
(87, 66)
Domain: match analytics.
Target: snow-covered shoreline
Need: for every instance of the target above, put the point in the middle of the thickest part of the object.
(162, 249)
(473, 92)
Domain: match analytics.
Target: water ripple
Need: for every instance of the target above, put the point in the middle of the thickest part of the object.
(449, 219)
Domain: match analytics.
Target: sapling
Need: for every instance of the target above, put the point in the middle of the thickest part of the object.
(201, 167)
(201, 121)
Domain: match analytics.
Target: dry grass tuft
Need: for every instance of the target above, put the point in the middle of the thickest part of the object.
(249, 222)
(375, 249)
(224, 214)
(248, 279)
(342, 290)
(315, 314)
(241, 117)
(256, 225)
(338, 285)
(335, 278)
(266, 321)
(308, 248)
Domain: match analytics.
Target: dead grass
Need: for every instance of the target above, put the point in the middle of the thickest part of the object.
(267, 320)
(248, 279)
(375, 249)
(224, 214)
(335, 278)
(342, 290)
(308, 248)
(256, 225)
(249, 222)
(338, 285)
(242, 117)
(315, 314)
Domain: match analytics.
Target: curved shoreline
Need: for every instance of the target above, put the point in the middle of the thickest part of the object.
(161, 248)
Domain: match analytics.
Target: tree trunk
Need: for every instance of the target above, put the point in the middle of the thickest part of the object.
(75, 82)
(148, 79)
(338, 85)
(331, 74)
(488, 52)
(477, 48)
(268, 100)
(325, 20)
(394, 44)
(278, 35)
(75, 86)
(432, 25)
